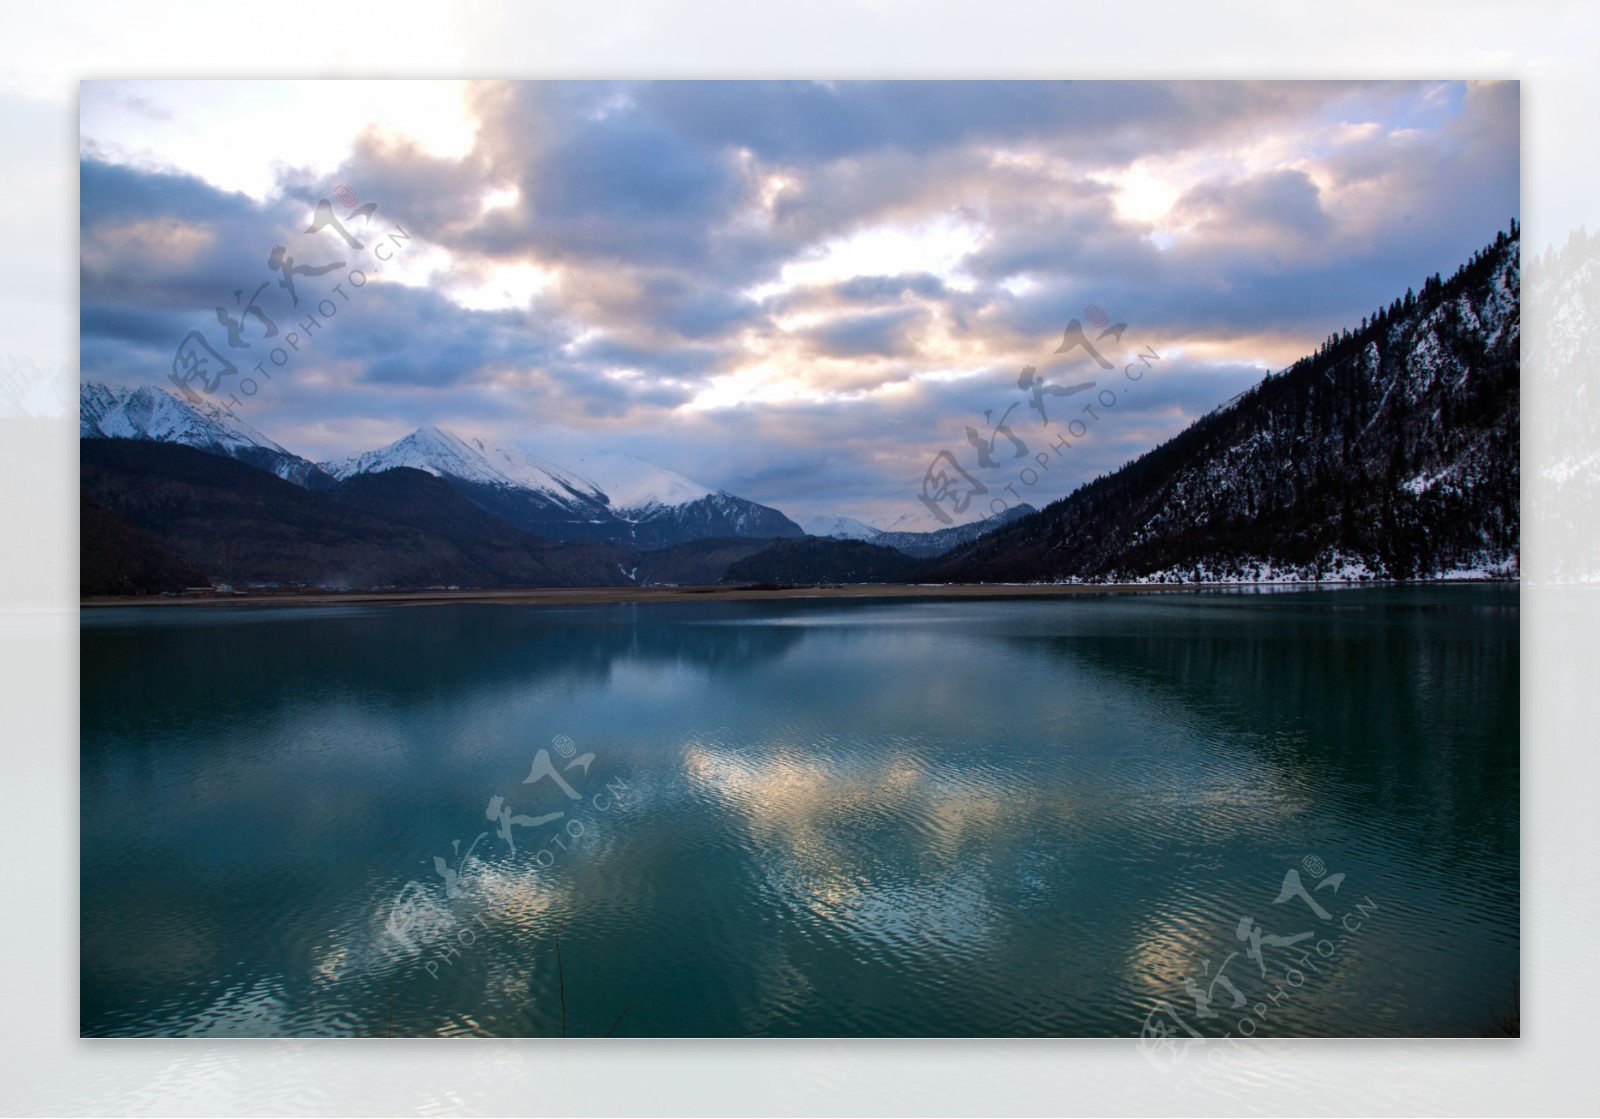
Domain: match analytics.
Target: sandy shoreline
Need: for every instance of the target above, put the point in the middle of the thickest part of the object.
(588, 596)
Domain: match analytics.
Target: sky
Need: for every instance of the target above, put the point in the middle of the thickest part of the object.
(798, 292)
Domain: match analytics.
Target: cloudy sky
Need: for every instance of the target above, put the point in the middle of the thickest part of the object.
(798, 292)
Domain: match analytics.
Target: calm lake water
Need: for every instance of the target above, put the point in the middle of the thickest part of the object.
(1024, 817)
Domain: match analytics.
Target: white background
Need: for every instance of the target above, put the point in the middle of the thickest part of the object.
(45, 49)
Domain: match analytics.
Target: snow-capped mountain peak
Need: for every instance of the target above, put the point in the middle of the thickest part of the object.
(118, 412)
(636, 486)
(920, 521)
(158, 416)
(428, 448)
(479, 461)
(842, 528)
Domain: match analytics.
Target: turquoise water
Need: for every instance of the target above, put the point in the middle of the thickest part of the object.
(857, 818)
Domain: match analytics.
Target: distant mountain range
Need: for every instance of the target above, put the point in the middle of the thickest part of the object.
(639, 505)
(241, 525)
(926, 543)
(839, 528)
(430, 509)
(617, 498)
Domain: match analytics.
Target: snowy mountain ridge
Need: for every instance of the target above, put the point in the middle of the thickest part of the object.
(920, 541)
(479, 461)
(630, 489)
(615, 498)
(155, 415)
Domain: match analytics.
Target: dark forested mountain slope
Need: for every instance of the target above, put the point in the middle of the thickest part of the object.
(942, 540)
(117, 558)
(1389, 453)
(694, 563)
(821, 559)
(404, 528)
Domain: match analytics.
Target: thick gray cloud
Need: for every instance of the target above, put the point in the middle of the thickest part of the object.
(875, 333)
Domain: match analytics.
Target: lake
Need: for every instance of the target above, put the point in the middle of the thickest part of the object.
(1095, 815)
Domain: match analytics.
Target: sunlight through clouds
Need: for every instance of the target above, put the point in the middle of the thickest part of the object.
(936, 247)
(237, 135)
